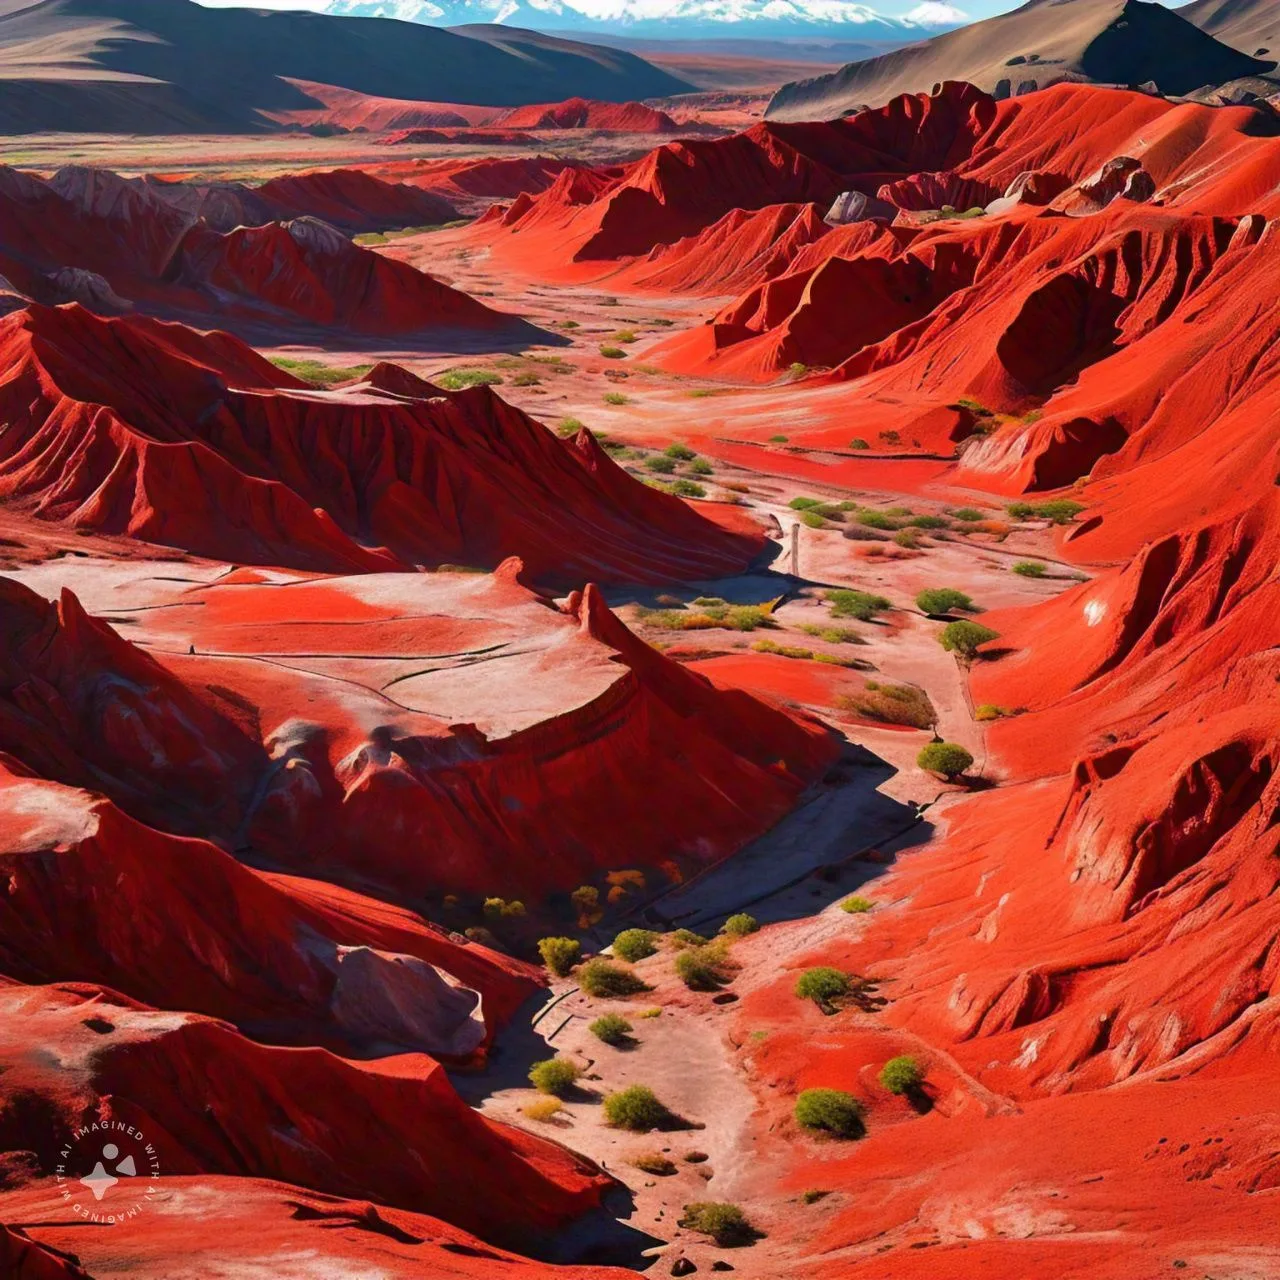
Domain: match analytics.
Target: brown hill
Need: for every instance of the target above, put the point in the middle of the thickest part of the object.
(1125, 42)
(1251, 26)
(173, 66)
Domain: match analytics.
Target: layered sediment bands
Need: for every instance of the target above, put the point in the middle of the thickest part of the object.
(137, 244)
(133, 427)
(583, 113)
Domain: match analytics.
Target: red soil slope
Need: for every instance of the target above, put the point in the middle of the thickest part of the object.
(133, 426)
(92, 237)
(581, 113)
(348, 110)
(1085, 961)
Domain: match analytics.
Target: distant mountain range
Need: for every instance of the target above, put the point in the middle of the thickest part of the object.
(676, 19)
(1045, 42)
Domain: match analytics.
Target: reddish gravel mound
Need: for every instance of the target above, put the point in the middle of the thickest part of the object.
(132, 426)
(455, 137)
(581, 113)
(89, 236)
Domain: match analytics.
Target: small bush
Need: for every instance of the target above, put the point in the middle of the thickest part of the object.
(857, 906)
(943, 600)
(556, 1076)
(526, 380)
(700, 467)
(613, 353)
(543, 1109)
(830, 1111)
(1030, 569)
(611, 1028)
(501, 909)
(680, 452)
(988, 711)
(859, 443)
(909, 538)
(726, 1224)
(813, 1195)
(901, 1075)
(862, 605)
(687, 938)
(636, 1108)
(624, 335)
(568, 427)
(661, 463)
(599, 978)
(688, 489)
(318, 373)
(1059, 510)
(615, 397)
(740, 925)
(559, 954)
(965, 637)
(804, 504)
(797, 369)
(812, 520)
(970, 515)
(929, 522)
(700, 968)
(586, 902)
(892, 704)
(635, 944)
(877, 520)
(460, 379)
(650, 1013)
(778, 439)
(947, 758)
(654, 1162)
(822, 985)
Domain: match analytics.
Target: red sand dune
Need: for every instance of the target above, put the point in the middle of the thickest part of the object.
(581, 113)
(133, 426)
(89, 236)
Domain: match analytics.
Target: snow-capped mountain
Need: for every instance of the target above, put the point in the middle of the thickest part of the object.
(673, 18)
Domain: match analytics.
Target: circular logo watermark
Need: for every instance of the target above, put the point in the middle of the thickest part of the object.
(107, 1171)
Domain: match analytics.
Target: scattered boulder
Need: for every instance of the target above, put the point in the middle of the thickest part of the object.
(853, 206)
(683, 1266)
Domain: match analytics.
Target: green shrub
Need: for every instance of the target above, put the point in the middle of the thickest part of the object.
(613, 353)
(615, 397)
(526, 380)
(600, 977)
(700, 968)
(318, 373)
(1059, 510)
(891, 704)
(636, 1108)
(858, 443)
(876, 520)
(804, 504)
(680, 452)
(830, 1111)
(909, 538)
(988, 711)
(1030, 568)
(460, 379)
(943, 600)
(862, 605)
(970, 515)
(687, 938)
(624, 335)
(857, 906)
(661, 463)
(688, 489)
(556, 1076)
(612, 1028)
(797, 369)
(740, 925)
(654, 1162)
(700, 467)
(965, 637)
(778, 439)
(568, 427)
(501, 909)
(726, 1224)
(929, 522)
(812, 520)
(901, 1075)
(823, 984)
(947, 758)
(635, 944)
(559, 954)
(813, 1195)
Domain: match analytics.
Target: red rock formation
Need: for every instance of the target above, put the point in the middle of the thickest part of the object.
(581, 113)
(131, 426)
(152, 253)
